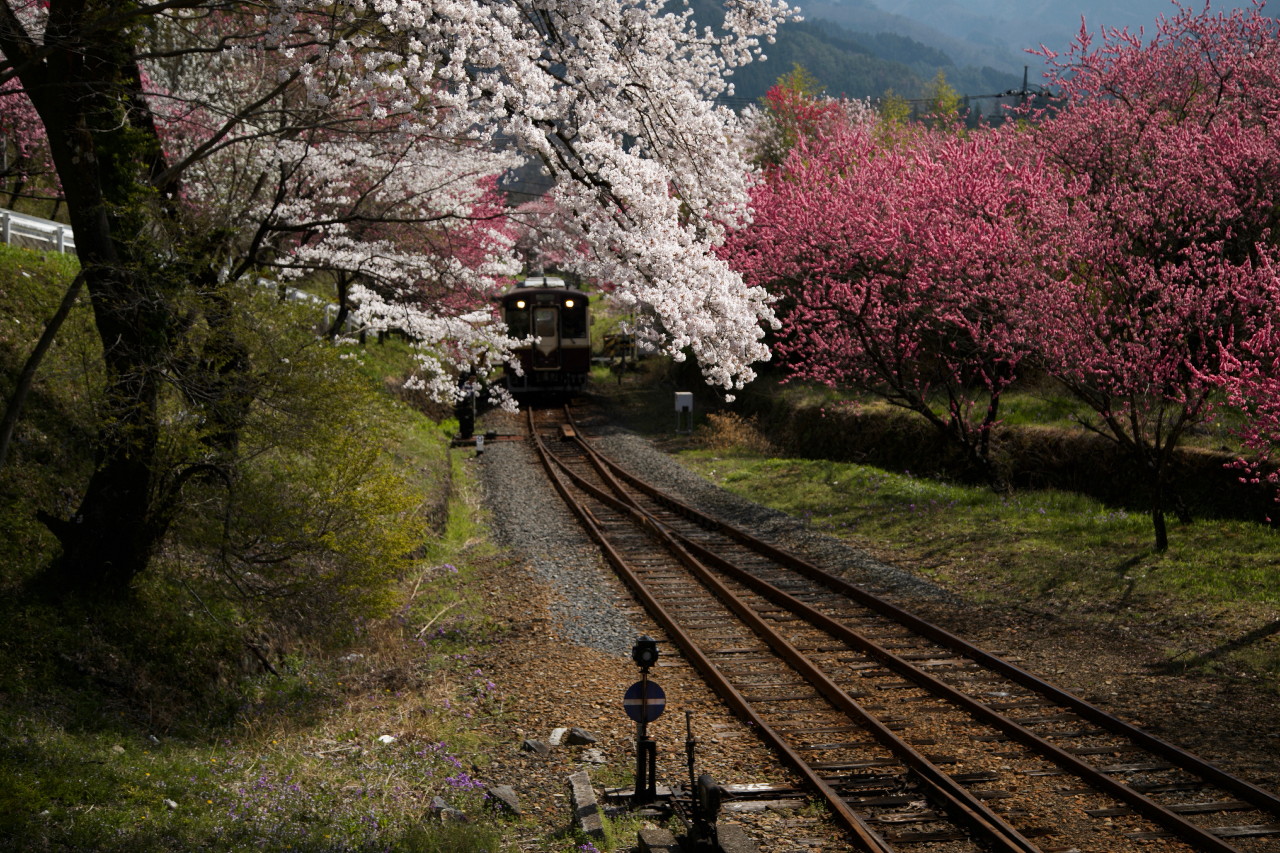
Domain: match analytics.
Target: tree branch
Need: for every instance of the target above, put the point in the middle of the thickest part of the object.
(13, 410)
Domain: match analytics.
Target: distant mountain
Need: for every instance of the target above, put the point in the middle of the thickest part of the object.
(863, 65)
(995, 33)
(869, 16)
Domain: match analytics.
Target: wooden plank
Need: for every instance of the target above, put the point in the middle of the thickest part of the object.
(1180, 808)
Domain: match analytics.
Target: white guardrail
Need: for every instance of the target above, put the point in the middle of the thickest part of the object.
(32, 232)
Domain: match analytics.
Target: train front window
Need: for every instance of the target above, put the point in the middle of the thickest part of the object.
(518, 322)
(573, 321)
(544, 323)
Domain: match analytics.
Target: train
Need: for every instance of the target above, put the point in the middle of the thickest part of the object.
(557, 317)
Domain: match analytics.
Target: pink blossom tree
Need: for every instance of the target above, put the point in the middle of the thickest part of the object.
(1251, 380)
(1173, 148)
(27, 172)
(897, 253)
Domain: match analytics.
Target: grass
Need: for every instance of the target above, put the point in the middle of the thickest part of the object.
(113, 792)
(337, 749)
(1041, 549)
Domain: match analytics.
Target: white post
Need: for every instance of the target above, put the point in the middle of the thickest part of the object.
(684, 411)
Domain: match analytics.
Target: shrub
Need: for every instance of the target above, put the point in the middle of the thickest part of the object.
(316, 519)
(726, 431)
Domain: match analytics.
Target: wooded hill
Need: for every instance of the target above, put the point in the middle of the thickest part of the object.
(863, 65)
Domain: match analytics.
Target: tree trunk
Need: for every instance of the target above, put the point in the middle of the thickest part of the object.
(1158, 521)
(1161, 527)
(344, 307)
(115, 531)
(105, 151)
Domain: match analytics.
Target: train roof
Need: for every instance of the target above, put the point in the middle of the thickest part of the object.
(536, 285)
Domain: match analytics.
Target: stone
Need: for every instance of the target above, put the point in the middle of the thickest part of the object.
(535, 746)
(504, 800)
(580, 737)
(732, 838)
(586, 811)
(655, 840)
(593, 756)
(442, 811)
(557, 736)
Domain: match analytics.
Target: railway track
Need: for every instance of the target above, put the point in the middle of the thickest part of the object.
(914, 738)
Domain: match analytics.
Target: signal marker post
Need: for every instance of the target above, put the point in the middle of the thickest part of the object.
(644, 702)
(684, 412)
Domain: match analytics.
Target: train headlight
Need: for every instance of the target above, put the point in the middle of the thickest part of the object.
(568, 303)
(519, 303)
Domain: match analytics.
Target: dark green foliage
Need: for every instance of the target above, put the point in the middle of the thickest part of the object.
(898, 48)
(841, 64)
(1027, 456)
(158, 663)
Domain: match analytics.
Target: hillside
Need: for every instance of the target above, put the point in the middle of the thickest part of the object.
(864, 65)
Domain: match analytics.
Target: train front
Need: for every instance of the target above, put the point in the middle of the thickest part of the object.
(557, 317)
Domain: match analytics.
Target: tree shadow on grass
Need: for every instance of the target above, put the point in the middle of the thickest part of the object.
(1187, 661)
(1121, 571)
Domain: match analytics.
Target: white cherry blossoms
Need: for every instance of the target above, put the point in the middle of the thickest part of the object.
(615, 97)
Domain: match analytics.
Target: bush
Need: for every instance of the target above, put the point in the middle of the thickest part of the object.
(316, 519)
(729, 431)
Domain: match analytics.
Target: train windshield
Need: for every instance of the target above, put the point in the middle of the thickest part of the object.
(518, 322)
(573, 321)
(544, 322)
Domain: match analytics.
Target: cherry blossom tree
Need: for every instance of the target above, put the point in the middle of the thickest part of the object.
(416, 240)
(150, 116)
(415, 223)
(898, 252)
(539, 229)
(1172, 144)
